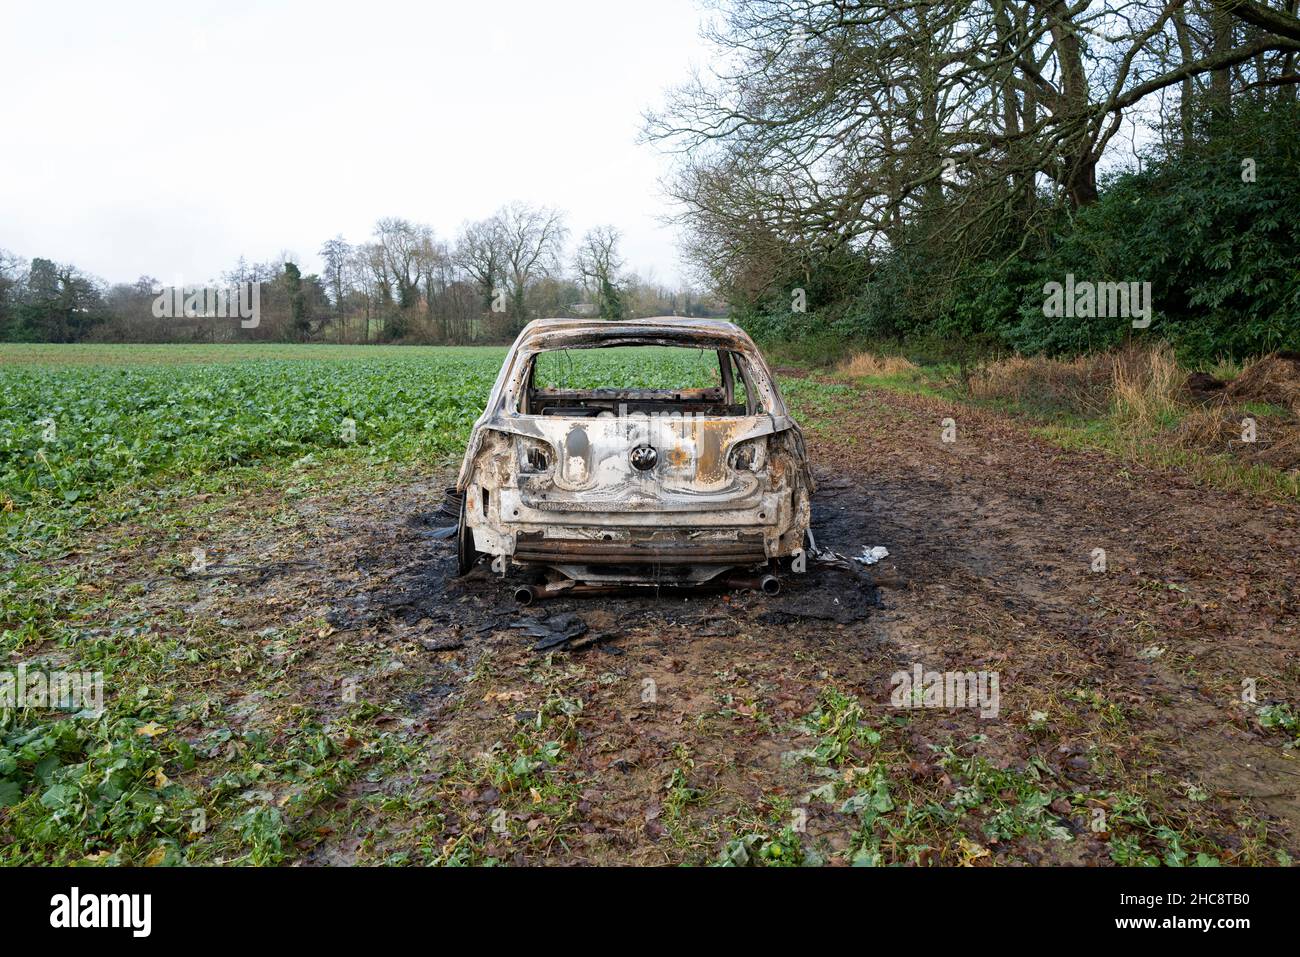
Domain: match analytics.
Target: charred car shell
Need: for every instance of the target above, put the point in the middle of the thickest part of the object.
(627, 486)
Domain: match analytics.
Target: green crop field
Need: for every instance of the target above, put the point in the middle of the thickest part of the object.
(75, 425)
(76, 420)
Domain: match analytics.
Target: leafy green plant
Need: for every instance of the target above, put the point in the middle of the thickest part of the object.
(1281, 716)
(782, 849)
(86, 786)
(838, 721)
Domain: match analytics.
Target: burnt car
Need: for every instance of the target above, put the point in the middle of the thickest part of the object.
(622, 486)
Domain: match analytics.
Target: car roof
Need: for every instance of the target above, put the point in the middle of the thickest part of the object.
(559, 332)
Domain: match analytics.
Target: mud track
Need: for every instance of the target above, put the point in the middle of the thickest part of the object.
(1127, 681)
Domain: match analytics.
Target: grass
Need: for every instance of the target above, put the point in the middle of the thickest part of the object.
(70, 431)
(1282, 717)
(1129, 404)
(863, 778)
(115, 355)
(76, 424)
(165, 775)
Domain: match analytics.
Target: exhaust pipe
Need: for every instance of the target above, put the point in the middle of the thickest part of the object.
(527, 594)
(768, 583)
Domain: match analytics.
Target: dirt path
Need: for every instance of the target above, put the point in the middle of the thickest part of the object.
(691, 726)
(995, 536)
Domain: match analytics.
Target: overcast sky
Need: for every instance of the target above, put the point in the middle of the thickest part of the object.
(169, 138)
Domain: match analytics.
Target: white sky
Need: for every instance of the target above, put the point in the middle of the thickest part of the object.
(169, 138)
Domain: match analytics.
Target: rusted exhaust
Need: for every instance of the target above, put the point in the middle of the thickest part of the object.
(768, 584)
(527, 594)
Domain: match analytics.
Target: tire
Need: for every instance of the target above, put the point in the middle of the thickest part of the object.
(466, 556)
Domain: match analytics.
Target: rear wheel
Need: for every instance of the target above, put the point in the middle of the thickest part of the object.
(466, 556)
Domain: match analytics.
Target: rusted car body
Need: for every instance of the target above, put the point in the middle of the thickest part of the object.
(635, 486)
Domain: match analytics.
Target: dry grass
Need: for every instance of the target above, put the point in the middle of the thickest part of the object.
(1081, 386)
(871, 365)
(1146, 386)
(1140, 386)
(1274, 379)
(1150, 407)
(1220, 428)
(1145, 398)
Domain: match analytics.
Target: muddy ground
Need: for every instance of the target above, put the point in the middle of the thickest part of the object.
(683, 728)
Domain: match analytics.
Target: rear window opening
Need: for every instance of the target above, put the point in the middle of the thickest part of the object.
(592, 381)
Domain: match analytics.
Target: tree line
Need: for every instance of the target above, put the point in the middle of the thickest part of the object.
(403, 284)
(924, 167)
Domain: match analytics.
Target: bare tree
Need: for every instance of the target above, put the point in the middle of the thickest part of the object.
(337, 254)
(532, 242)
(402, 244)
(878, 124)
(480, 252)
(598, 266)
